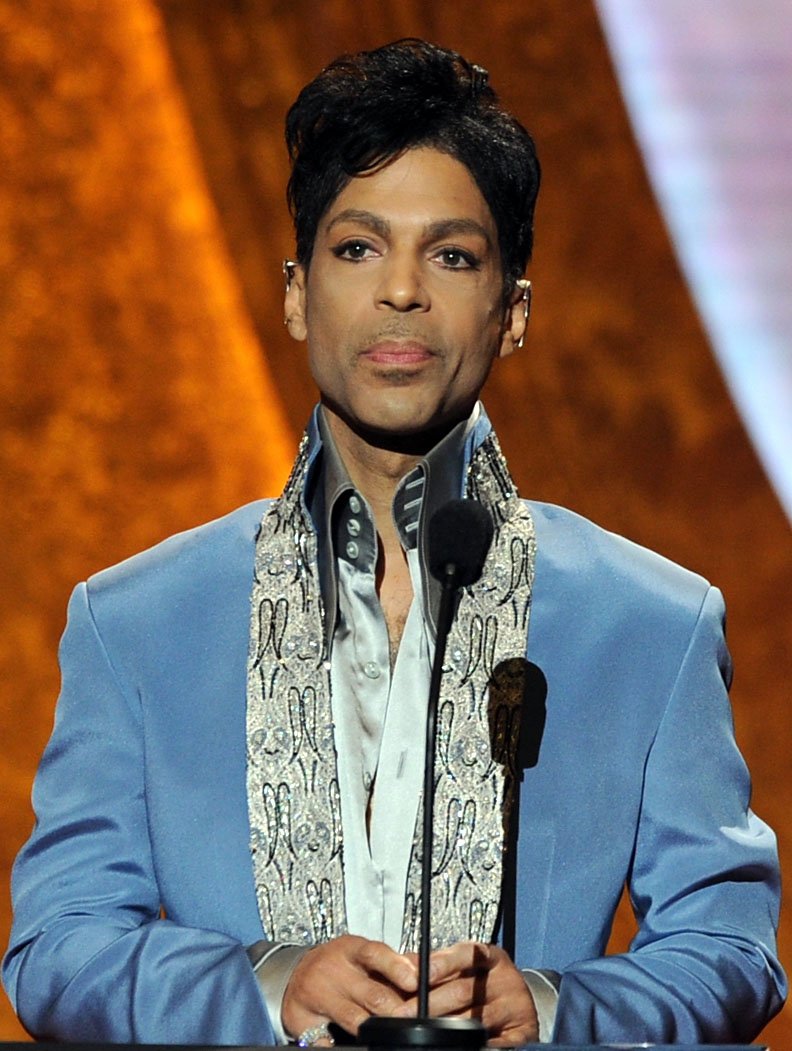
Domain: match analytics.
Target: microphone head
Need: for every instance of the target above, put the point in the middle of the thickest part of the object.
(460, 534)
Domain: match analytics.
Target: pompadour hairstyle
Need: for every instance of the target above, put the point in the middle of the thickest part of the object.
(366, 109)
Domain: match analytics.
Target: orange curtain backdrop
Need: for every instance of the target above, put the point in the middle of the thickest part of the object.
(135, 397)
(148, 383)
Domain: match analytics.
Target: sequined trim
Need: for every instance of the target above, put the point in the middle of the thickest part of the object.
(292, 779)
(292, 782)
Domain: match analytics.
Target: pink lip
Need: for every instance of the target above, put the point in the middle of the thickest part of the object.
(392, 352)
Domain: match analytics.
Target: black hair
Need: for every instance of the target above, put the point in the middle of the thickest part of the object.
(366, 109)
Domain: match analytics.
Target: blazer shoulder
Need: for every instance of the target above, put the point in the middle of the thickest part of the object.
(195, 559)
(584, 557)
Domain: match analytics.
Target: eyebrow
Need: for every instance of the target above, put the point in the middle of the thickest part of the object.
(434, 231)
(355, 215)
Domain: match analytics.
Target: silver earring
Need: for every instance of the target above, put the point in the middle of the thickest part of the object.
(288, 266)
(525, 285)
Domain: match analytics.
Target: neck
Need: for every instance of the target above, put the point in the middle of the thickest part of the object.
(376, 466)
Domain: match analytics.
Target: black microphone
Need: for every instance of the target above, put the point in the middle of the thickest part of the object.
(460, 534)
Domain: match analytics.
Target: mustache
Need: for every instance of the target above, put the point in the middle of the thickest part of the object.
(399, 331)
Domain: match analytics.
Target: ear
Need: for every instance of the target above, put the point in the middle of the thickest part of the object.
(516, 319)
(294, 301)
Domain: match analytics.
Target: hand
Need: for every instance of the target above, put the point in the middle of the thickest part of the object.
(471, 980)
(346, 981)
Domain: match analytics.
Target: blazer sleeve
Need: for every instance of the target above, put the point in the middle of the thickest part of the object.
(90, 957)
(704, 883)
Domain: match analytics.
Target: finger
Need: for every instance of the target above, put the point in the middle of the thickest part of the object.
(351, 1003)
(513, 1033)
(503, 1029)
(463, 996)
(378, 983)
(461, 958)
(401, 971)
(513, 1038)
(489, 987)
(455, 998)
(333, 982)
(351, 1007)
(379, 998)
(508, 1021)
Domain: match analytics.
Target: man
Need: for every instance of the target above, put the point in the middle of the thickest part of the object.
(226, 846)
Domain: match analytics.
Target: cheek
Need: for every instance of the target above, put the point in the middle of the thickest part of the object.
(328, 320)
(481, 338)
(327, 360)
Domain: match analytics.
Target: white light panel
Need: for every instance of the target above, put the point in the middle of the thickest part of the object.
(708, 84)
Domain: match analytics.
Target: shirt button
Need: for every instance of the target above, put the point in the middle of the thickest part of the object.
(352, 549)
(353, 527)
(354, 504)
(371, 669)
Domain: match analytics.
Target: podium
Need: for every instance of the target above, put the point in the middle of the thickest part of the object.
(7, 1046)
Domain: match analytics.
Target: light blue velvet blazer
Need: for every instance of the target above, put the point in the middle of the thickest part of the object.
(142, 809)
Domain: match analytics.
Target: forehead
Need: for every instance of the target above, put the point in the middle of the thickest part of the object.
(421, 186)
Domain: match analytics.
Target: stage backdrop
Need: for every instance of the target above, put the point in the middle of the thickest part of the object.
(147, 382)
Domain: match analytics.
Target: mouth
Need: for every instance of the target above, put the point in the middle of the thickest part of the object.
(395, 353)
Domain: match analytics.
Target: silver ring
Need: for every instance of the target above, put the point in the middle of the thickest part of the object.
(308, 1037)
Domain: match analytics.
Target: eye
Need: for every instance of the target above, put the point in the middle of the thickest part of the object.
(354, 250)
(457, 259)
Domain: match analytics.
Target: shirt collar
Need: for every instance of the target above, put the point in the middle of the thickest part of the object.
(334, 503)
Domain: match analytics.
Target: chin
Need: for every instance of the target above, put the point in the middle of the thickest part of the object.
(407, 432)
(393, 421)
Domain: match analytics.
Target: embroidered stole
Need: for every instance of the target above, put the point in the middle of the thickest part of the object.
(292, 782)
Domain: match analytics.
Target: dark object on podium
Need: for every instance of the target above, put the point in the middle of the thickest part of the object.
(460, 534)
(467, 1034)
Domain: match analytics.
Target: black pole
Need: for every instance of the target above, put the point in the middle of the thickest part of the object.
(444, 620)
(466, 1034)
(460, 533)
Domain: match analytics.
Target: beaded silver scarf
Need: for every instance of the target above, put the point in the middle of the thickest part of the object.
(292, 781)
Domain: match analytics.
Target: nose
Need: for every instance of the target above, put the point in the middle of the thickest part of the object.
(402, 286)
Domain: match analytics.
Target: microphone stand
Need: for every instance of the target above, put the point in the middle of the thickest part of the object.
(423, 1031)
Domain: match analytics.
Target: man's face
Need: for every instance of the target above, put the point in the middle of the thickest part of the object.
(403, 304)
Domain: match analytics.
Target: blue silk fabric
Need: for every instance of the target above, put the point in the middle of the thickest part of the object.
(142, 810)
